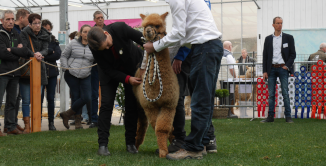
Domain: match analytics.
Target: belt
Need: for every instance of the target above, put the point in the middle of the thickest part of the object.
(277, 65)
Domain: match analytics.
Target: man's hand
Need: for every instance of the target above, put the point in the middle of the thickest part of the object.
(20, 46)
(9, 49)
(134, 81)
(176, 66)
(38, 56)
(265, 76)
(149, 48)
(285, 68)
(141, 72)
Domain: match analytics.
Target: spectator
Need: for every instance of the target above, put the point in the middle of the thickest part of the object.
(193, 23)
(72, 35)
(21, 20)
(278, 58)
(54, 53)
(78, 55)
(36, 39)
(11, 49)
(319, 55)
(117, 56)
(20, 23)
(244, 58)
(228, 71)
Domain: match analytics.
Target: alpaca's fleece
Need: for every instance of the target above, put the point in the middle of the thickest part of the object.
(159, 114)
(250, 73)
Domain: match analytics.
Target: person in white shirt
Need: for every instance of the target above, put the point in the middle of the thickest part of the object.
(228, 71)
(193, 23)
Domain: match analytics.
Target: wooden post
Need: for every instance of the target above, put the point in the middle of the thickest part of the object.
(35, 84)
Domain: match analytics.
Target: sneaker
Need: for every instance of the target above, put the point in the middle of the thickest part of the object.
(288, 120)
(211, 147)
(270, 118)
(175, 145)
(183, 154)
(84, 121)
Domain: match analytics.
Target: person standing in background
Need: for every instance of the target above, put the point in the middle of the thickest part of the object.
(278, 58)
(36, 39)
(54, 53)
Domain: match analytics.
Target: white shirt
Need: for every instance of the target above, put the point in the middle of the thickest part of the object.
(277, 52)
(230, 60)
(192, 23)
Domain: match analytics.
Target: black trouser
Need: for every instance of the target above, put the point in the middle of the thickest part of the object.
(9, 84)
(179, 120)
(108, 92)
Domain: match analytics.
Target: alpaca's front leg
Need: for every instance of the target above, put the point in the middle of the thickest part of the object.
(162, 130)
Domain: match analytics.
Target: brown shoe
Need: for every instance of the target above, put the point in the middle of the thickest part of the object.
(16, 131)
(66, 116)
(183, 154)
(19, 127)
(27, 128)
(78, 124)
(5, 130)
(2, 134)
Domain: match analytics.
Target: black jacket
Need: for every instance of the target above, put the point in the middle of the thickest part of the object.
(248, 60)
(40, 44)
(54, 53)
(129, 54)
(9, 60)
(288, 53)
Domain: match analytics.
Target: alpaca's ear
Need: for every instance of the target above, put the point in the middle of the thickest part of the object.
(247, 67)
(163, 16)
(142, 16)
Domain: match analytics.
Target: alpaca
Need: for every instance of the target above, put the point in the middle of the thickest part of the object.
(246, 96)
(160, 113)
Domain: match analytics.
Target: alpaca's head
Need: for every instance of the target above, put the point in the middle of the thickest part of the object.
(251, 72)
(154, 26)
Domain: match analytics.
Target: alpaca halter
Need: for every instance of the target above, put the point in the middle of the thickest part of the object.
(156, 70)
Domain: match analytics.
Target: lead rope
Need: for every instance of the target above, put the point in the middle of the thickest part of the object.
(147, 72)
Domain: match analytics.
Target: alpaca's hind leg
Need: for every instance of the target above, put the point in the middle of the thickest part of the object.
(163, 128)
(151, 115)
(142, 126)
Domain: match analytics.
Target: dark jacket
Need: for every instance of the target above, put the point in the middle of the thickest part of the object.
(313, 57)
(40, 44)
(288, 53)
(128, 53)
(17, 28)
(54, 53)
(9, 60)
(248, 60)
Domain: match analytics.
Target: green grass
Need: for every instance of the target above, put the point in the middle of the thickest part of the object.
(239, 142)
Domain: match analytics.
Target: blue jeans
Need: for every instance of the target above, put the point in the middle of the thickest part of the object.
(272, 77)
(50, 95)
(25, 92)
(85, 113)
(205, 66)
(80, 91)
(95, 86)
(26, 96)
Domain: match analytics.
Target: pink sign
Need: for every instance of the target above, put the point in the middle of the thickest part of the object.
(130, 22)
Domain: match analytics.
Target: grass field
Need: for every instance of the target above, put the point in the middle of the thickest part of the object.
(239, 142)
